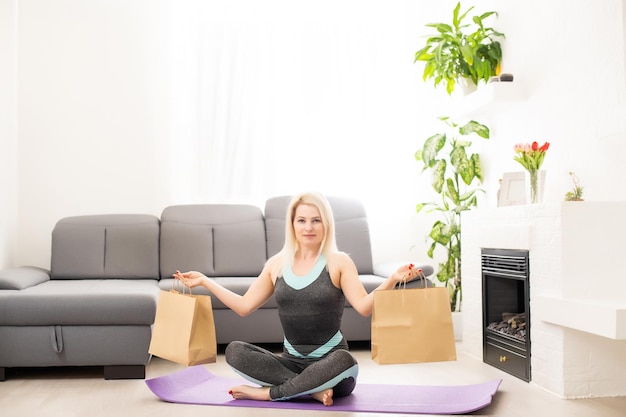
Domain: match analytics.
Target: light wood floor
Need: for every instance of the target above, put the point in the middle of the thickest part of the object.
(70, 392)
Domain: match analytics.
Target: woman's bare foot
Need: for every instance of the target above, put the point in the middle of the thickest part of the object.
(325, 397)
(246, 392)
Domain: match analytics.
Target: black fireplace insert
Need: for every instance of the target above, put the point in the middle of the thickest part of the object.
(506, 310)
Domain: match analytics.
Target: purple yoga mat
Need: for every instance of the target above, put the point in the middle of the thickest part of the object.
(196, 385)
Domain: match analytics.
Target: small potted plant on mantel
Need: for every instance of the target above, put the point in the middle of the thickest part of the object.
(576, 194)
(461, 53)
(455, 177)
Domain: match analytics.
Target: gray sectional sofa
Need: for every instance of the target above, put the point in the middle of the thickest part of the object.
(96, 304)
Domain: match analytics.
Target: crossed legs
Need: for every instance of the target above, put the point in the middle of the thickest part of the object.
(283, 378)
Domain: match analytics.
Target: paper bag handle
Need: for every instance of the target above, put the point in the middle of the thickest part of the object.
(420, 276)
(178, 282)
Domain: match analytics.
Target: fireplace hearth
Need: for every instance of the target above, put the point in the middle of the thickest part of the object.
(506, 310)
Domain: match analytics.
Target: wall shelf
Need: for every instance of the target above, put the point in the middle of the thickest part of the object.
(487, 97)
(600, 318)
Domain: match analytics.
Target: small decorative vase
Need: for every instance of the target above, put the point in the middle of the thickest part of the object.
(534, 186)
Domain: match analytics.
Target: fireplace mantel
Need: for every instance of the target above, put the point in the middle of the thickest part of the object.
(577, 289)
(602, 318)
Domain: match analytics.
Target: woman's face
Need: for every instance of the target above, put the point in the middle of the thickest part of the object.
(308, 226)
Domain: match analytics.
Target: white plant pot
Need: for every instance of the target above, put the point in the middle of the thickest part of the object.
(466, 86)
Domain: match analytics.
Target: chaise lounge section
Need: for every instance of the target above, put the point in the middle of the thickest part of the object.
(95, 306)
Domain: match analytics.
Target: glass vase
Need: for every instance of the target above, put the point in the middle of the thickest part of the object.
(534, 186)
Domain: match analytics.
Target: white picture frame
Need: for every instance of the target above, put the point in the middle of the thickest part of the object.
(512, 189)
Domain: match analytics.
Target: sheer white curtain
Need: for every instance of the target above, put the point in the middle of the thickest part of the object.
(275, 97)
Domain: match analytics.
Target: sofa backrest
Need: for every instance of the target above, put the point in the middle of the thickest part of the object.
(117, 246)
(226, 240)
(351, 228)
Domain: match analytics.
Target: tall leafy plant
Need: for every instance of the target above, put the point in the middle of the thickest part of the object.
(456, 176)
(461, 50)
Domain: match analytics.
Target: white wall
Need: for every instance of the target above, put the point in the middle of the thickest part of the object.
(568, 61)
(8, 132)
(571, 70)
(92, 126)
(92, 113)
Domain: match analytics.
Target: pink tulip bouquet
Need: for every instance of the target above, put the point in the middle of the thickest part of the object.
(530, 155)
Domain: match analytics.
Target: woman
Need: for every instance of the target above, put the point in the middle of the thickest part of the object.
(311, 279)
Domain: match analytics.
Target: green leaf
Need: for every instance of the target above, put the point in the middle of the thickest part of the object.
(474, 127)
(423, 54)
(455, 251)
(439, 172)
(468, 53)
(485, 15)
(455, 15)
(478, 171)
(458, 19)
(429, 70)
(442, 28)
(461, 164)
(453, 193)
(431, 250)
(450, 86)
(431, 148)
(444, 275)
(440, 233)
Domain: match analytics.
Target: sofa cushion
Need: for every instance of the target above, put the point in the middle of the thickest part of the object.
(114, 246)
(275, 215)
(81, 302)
(215, 239)
(351, 228)
(22, 277)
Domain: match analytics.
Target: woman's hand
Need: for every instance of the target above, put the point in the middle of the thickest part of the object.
(257, 294)
(406, 273)
(190, 279)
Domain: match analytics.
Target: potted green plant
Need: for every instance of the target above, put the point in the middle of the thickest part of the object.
(576, 194)
(461, 51)
(455, 178)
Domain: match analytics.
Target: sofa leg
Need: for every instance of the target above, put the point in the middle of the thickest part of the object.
(125, 372)
(3, 374)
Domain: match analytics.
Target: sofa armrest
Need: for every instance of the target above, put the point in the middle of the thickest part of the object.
(22, 277)
(386, 269)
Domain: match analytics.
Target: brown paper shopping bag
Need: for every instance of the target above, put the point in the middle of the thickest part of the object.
(184, 330)
(412, 325)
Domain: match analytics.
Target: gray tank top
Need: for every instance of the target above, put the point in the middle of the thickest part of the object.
(310, 309)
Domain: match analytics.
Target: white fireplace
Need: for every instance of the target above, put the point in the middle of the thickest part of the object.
(577, 290)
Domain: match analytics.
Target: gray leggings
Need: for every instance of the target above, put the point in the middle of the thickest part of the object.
(289, 377)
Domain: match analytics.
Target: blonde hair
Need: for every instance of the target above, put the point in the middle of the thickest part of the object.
(291, 246)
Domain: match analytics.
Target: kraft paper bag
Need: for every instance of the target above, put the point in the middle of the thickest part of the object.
(412, 325)
(184, 330)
